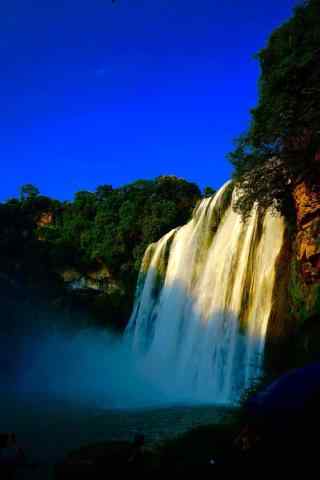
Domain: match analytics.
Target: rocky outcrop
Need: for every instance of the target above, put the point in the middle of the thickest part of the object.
(98, 279)
(293, 335)
(307, 204)
(96, 291)
(45, 219)
(70, 275)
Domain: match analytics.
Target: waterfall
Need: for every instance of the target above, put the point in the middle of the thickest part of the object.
(204, 298)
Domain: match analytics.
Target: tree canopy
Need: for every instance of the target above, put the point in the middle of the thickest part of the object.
(28, 191)
(116, 225)
(40, 238)
(283, 140)
(110, 225)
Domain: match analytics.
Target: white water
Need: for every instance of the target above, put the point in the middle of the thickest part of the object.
(204, 298)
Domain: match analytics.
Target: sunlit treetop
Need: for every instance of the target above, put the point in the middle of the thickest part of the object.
(283, 141)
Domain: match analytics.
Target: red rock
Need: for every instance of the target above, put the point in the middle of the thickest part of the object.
(45, 218)
(307, 204)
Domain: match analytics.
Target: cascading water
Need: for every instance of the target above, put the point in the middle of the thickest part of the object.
(203, 301)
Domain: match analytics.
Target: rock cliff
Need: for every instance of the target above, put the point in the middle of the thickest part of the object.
(307, 204)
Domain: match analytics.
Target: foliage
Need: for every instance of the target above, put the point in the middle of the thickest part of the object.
(209, 192)
(28, 191)
(40, 236)
(19, 244)
(116, 225)
(283, 140)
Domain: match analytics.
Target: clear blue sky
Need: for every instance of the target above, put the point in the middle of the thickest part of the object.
(96, 92)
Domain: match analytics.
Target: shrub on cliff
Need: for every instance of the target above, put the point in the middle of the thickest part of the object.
(283, 140)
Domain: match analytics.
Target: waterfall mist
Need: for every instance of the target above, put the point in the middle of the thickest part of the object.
(89, 368)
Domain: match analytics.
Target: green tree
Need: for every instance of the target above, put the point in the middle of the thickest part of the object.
(28, 191)
(103, 191)
(109, 227)
(208, 192)
(282, 143)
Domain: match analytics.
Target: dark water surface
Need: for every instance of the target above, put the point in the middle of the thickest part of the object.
(48, 429)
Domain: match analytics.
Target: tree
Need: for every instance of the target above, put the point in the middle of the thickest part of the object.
(103, 191)
(283, 141)
(28, 191)
(109, 228)
(208, 192)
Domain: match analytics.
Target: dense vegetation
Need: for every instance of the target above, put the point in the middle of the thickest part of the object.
(109, 228)
(116, 225)
(283, 141)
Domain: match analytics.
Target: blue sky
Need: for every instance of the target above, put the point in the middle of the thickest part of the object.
(96, 92)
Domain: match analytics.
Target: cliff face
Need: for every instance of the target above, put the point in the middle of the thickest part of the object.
(307, 204)
(293, 336)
